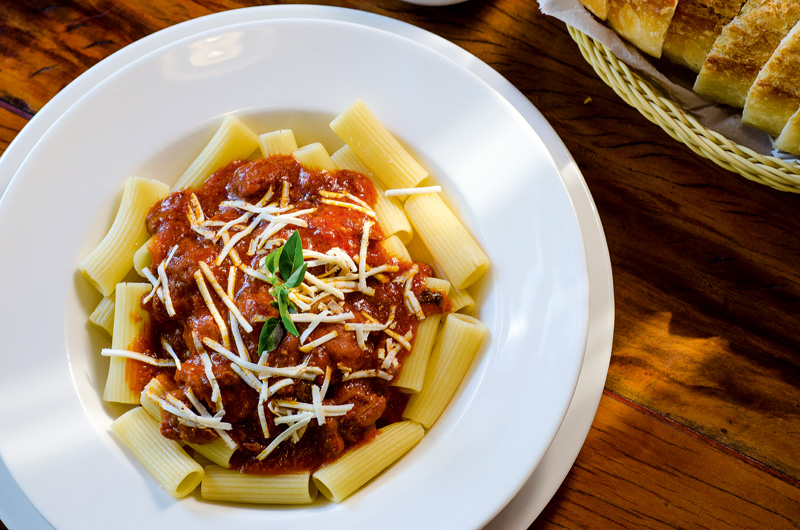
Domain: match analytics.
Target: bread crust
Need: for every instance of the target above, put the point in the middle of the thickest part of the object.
(598, 7)
(775, 94)
(789, 139)
(694, 28)
(644, 23)
(742, 49)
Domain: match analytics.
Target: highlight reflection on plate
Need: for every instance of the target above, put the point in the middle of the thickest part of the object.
(537, 311)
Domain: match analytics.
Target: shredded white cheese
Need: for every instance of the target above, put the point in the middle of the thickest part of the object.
(162, 277)
(310, 317)
(314, 343)
(216, 394)
(362, 261)
(302, 371)
(412, 191)
(367, 373)
(198, 405)
(357, 207)
(189, 417)
(109, 352)
(224, 296)
(316, 321)
(171, 351)
(212, 307)
(302, 422)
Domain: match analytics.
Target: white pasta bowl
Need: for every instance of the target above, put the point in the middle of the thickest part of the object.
(150, 119)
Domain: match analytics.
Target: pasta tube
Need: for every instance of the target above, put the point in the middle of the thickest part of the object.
(395, 248)
(217, 451)
(460, 299)
(232, 141)
(111, 260)
(280, 142)
(459, 340)
(314, 156)
(142, 258)
(388, 211)
(163, 458)
(221, 484)
(130, 322)
(154, 388)
(103, 315)
(452, 246)
(338, 480)
(412, 375)
(375, 145)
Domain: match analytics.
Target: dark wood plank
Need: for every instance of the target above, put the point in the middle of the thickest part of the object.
(738, 388)
(44, 45)
(635, 471)
(10, 125)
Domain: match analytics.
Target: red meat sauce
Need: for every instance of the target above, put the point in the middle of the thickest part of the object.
(376, 403)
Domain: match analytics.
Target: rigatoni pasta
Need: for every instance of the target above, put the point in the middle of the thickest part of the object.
(284, 320)
(372, 142)
(110, 261)
(412, 377)
(220, 484)
(395, 248)
(455, 348)
(280, 142)
(314, 156)
(103, 315)
(142, 259)
(340, 479)
(233, 140)
(458, 253)
(388, 210)
(460, 299)
(164, 459)
(131, 321)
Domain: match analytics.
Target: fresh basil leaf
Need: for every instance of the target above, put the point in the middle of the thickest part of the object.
(271, 336)
(298, 251)
(297, 277)
(271, 261)
(292, 255)
(283, 308)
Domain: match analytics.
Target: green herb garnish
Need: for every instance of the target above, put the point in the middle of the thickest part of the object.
(287, 261)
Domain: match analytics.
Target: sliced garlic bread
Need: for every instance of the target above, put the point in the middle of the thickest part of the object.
(598, 7)
(694, 28)
(742, 49)
(775, 94)
(789, 139)
(644, 23)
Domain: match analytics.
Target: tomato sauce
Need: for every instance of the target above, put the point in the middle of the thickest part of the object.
(374, 402)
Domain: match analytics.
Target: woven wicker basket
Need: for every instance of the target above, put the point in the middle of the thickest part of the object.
(665, 113)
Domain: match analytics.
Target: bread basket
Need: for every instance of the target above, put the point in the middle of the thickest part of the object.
(682, 126)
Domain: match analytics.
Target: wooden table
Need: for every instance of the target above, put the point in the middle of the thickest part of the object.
(699, 423)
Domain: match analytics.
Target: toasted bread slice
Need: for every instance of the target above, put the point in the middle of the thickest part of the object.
(775, 94)
(789, 139)
(742, 49)
(644, 23)
(694, 28)
(598, 7)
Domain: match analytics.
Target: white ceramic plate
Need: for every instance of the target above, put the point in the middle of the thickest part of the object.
(87, 455)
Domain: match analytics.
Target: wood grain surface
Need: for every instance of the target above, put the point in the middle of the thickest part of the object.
(699, 425)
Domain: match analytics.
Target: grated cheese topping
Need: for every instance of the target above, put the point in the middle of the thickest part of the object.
(399, 192)
(135, 355)
(187, 416)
